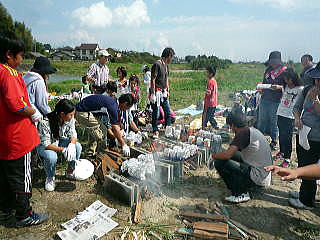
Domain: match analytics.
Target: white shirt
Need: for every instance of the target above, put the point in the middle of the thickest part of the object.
(99, 72)
(289, 98)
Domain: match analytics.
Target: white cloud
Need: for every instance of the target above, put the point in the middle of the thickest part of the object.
(133, 15)
(96, 16)
(162, 40)
(100, 16)
(240, 38)
(283, 4)
(81, 36)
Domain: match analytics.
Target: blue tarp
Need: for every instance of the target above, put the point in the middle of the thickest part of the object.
(191, 110)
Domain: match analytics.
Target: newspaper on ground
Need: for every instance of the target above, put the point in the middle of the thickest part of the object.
(90, 224)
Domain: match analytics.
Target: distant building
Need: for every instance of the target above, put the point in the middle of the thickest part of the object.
(63, 55)
(87, 51)
(33, 55)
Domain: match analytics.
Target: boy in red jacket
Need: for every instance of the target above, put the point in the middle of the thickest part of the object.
(210, 99)
(18, 136)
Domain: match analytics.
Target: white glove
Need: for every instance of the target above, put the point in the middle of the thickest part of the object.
(37, 116)
(153, 98)
(126, 150)
(144, 135)
(70, 152)
(165, 94)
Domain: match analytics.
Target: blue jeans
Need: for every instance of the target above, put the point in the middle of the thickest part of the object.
(155, 113)
(235, 173)
(285, 126)
(208, 116)
(267, 119)
(50, 157)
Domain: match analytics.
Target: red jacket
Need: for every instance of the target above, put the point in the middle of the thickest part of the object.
(18, 135)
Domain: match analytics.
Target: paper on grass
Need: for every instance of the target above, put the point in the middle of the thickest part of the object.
(92, 223)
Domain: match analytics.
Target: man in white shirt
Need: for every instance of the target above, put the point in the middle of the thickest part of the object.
(98, 73)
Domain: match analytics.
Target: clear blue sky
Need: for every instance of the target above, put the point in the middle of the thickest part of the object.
(234, 29)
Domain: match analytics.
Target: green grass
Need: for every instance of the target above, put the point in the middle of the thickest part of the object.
(80, 68)
(189, 87)
(186, 88)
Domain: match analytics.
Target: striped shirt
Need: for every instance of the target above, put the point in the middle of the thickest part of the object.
(99, 72)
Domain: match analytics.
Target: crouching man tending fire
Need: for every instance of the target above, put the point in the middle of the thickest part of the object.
(241, 166)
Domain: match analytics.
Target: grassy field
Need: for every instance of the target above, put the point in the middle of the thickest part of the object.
(186, 87)
(80, 68)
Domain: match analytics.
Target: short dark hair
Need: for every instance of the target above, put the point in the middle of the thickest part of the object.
(168, 52)
(237, 119)
(308, 57)
(126, 98)
(134, 78)
(122, 70)
(84, 78)
(112, 86)
(99, 89)
(291, 74)
(10, 42)
(212, 69)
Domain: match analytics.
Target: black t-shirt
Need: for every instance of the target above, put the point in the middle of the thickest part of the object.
(241, 139)
(160, 71)
(96, 102)
(274, 77)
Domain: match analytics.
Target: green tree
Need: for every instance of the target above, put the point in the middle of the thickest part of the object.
(7, 24)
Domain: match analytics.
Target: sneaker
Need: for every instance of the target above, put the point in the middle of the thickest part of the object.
(294, 194)
(279, 155)
(50, 185)
(244, 197)
(296, 203)
(5, 216)
(156, 134)
(33, 219)
(285, 163)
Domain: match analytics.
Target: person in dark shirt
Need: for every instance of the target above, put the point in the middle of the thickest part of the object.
(159, 89)
(307, 64)
(102, 104)
(267, 119)
(242, 171)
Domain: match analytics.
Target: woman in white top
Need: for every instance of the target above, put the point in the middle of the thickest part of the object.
(285, 114)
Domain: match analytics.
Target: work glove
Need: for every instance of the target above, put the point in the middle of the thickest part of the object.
(37, 116)
(144, 135)
(70, 152)
(153, 98)
(126, 150)
(165, 94)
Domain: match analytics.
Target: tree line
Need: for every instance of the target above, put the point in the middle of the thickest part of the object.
(20, 29)
(203, 61)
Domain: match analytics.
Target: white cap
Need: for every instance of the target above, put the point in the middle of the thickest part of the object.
(103, 53)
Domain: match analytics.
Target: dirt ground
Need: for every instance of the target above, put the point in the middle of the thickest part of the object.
(268, 214)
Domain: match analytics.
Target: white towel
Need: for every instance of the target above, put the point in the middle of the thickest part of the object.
(303, 137)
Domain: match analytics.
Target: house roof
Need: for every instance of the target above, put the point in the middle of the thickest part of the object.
(61, 53)
(36, 54)
(88, 46)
